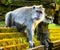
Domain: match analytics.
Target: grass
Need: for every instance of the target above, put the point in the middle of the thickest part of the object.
(53, 26)
(2, 23)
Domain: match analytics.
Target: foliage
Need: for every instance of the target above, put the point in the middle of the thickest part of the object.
(9, 1)
(58, 1)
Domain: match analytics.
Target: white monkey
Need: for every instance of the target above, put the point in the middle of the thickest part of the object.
(26, 16)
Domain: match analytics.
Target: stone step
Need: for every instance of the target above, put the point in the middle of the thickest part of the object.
(19, 46)
(56, 45)
(12, 41)
(12, 35)
(4, 29)
(54, 30)
(41, 47)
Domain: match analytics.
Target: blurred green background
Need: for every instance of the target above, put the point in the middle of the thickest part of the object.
(9, 5)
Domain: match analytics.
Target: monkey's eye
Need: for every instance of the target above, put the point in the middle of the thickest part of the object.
(33, 7)
(38, 11)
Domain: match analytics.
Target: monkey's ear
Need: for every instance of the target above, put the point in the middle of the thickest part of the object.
(41, 6)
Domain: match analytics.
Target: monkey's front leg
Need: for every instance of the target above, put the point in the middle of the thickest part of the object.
(31, 35)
